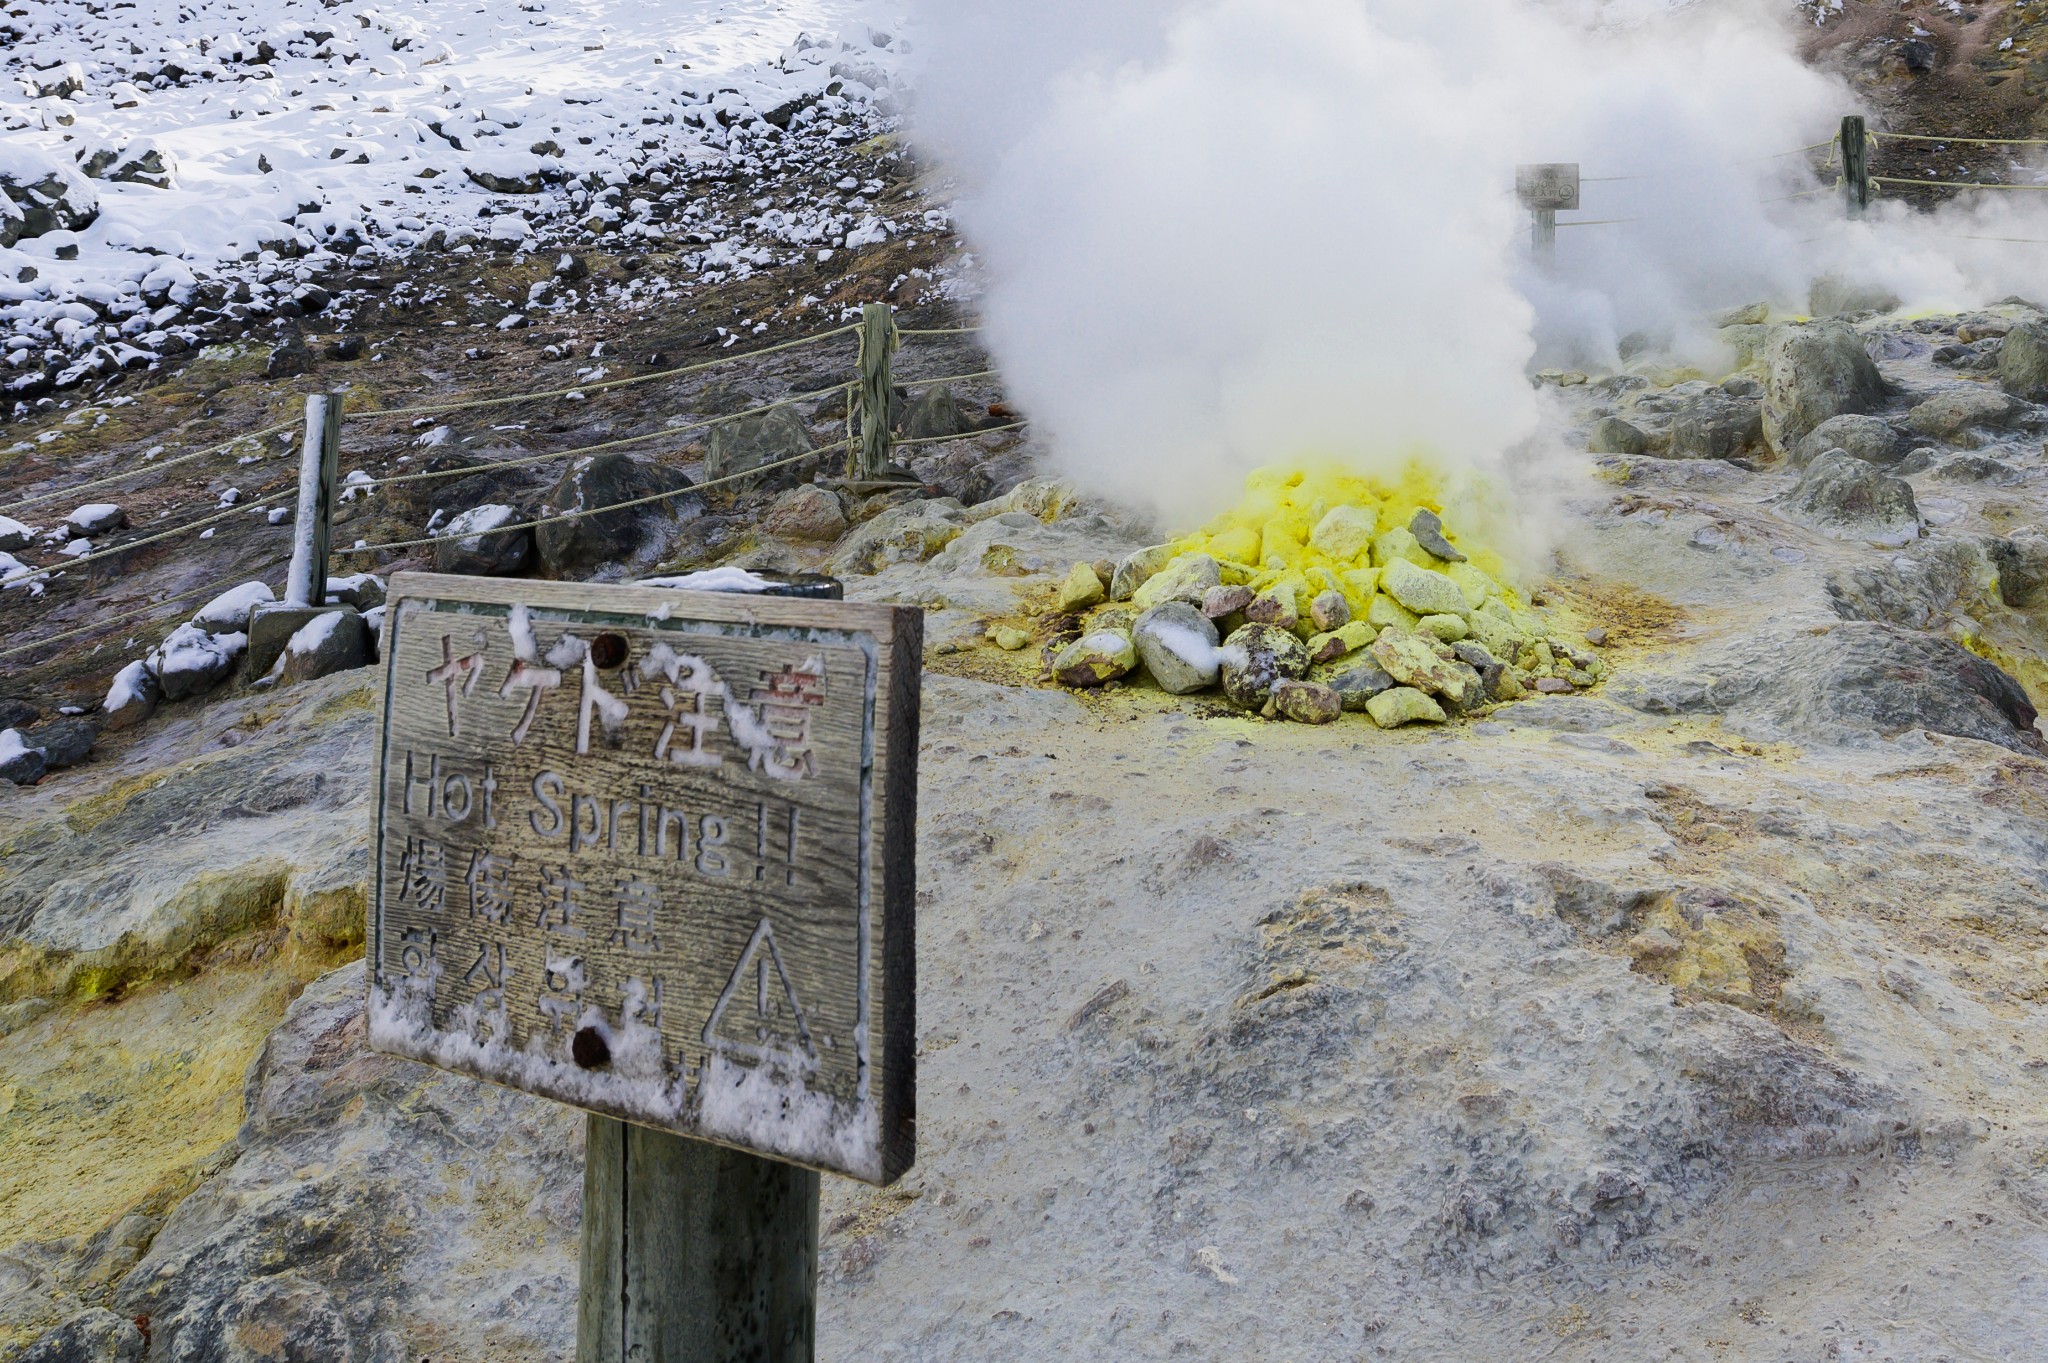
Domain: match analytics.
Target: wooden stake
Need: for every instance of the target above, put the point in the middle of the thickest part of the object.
(319, 463)
(1855, 165)
(870, 459)
(693, 1253)
(1543, 233)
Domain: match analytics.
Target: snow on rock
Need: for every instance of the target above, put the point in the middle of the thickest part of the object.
(229, 611)
(132, 696)
(95, 518)
(190, 660)
(15, 535)
(726, 579)
(18, 761)
(46, 193)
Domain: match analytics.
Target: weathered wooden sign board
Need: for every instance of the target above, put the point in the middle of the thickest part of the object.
(649, 852)
(1553, 185)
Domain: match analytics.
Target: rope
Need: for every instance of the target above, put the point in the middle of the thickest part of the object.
(1611, 179)
(1802, 194)
(959, 435)
(1596, 222)
(2029, 241)
(1798, 151)
(1948, 184)
(77, 488)
(103, 622)
(949, 378)
(941, 331)
(588, 511)
(442, 408)
(228, 514)
(595, 449)
(1969, 141)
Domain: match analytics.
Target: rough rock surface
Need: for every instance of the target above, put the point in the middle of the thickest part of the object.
(630, 534)
(1814, 371)
(806, 513)
(2023, 361)
(1848, 496)
(1869, 438)
(474, 545)
(1177, 645)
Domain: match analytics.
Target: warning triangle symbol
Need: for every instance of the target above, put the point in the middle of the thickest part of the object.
(758, 1015)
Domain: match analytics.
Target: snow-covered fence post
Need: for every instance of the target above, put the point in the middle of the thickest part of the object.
(869, 461)
(319, 465)
(1855, 165)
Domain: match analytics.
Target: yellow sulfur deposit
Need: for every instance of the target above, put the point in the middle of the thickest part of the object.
(1311, 530)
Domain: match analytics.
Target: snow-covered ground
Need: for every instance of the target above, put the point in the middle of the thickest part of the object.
(271, 139)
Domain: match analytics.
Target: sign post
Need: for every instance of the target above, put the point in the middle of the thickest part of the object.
(1544, 188)
(650, 853)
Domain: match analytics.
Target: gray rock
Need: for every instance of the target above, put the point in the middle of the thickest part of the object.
(500, 182)
(18, 714)
(1949, 414)
(42, 194)
(190, 660)
(1221, 601)
(569, 548)
(1976, 468)
(14, 536)
(1612, 435)
(1135, 569)
(1256, 658)
(1869, 438)
(333, 641)
(363, 591)
(910, 533)
(65, 742)
(470, 545)
(1177, 644)
(1423, 590)
(132, 696)
(1358, 682)
(770, 438)
(1814, 371)
(935, 414)
(1428, 529)
(1832, 296)
(24, 765)
(2023, 361)
(1715, 425)
(1306, 702)
(808, 513)
(1329, 611)
(1838, 493)
(96, 518)
(94, 1336)
(228, 613)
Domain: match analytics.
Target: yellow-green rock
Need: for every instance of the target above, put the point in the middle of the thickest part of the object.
(1398, 545)
(1082, 588)
(1449, 628)
(1344, 532)
(1097, 657)
(1009, 637)
(1387, 613)
(1421, 590)
(1400, 705)
(1476, 585)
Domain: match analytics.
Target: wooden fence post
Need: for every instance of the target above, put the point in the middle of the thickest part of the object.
(1855, 165)
(1543, 233)
(693, 1253)
(870, 460)
(319, 465)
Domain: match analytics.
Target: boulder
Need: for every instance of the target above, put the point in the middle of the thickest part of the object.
(808, 513)
(1612, 435)
(1187, 578)
(94, 1336)
(1358, 682)
(935, 415)
(132, 697)
(1345, 532)
(1306, 702)
(1422, 590)
(1715, 425)
(1841, 494)
(1869, 438)
(1948, 415)
(42, 194)
(1177, 644)
(1096, 657)
(190, 660)
(1814, 371)
(568, 548)
(332, 641)
(228, 613)
(65, 742)
(774, 437)
(2023, 361)
(1081, 589)
(1414, 662)
(909, 533)
(1428, 529)
(20, 763)
(469, 547)
(1832, 296)
(1256, 658)
(1137, 568)
(1400, 543)
(1399, 705)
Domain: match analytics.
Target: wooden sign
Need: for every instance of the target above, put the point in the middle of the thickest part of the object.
(1551, 185)
(650, 852)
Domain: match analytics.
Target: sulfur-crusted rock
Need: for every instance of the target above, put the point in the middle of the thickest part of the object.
(1081, 589)
(1009, 638)
(1421, 590)
(1344, 532)
(1346, 639)
(1136, 568)
(1306, 702)
(1384, 612)
(1188, 578)
(1329, 611)
(1256, 658)
(1096, 657)
(1274, 606)
(1177, 644)
(1399, 543)
(1448, 628)
(1399, 705)
(910, 533)
(1412, 662)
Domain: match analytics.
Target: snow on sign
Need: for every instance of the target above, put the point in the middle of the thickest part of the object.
(649, 852)
(1553, 185)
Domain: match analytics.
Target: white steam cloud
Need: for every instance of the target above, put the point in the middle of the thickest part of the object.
(1221, 233)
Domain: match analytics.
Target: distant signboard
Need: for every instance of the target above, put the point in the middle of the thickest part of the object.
(1553, 185)
(649, 852)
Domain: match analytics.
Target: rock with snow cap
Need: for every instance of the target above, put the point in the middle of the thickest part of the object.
(132, 696)
(190, 660)
(1177, 644)
(471, 543)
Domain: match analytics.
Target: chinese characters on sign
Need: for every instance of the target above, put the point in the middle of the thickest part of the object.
(652, 858)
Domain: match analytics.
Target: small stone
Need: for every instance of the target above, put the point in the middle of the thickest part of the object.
(1428, 529)
(19, 762)
(1136, 569)
(1553, 686)
(1449, 628)
(1612, 435)
(1329, 611)
(1399, 705)
(1256, 658)
(1412, 662)
(1356, 683)
(1473, 655)
(1345, 639)
(1344, 533)
(1307, 702)
(1187, 578)
(1177, 644)
(1386, 613)
(1095, 658)
(807, 513)
(1597, 636)
(1421, 590)
(1218, 602)
(1273, 607)
(1081, 589)
(1009, 637)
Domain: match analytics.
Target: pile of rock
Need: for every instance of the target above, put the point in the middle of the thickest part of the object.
(1346, 612)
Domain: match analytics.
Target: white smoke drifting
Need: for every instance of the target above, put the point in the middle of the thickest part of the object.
(1221, 233)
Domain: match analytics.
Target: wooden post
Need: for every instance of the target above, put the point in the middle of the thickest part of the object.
(319, 465)
(693, 1253)
(869, 461)
(1855, 165)
(1543, 233)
